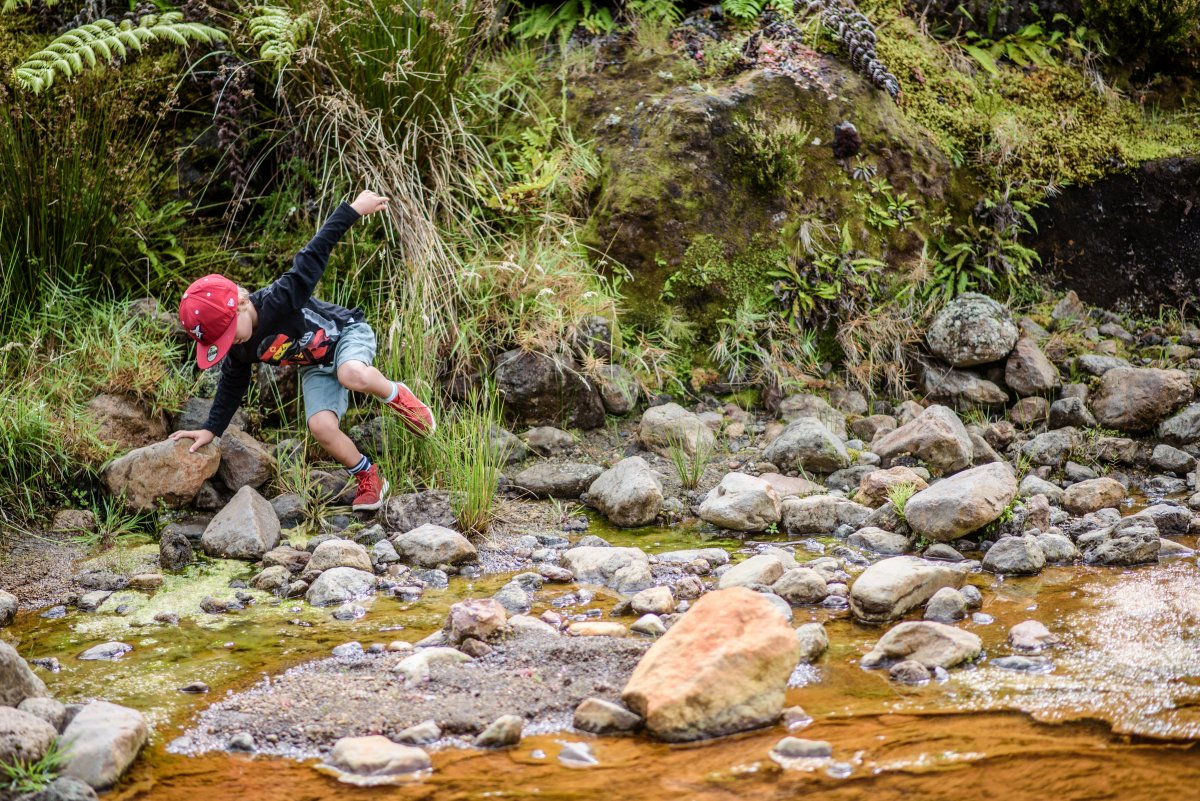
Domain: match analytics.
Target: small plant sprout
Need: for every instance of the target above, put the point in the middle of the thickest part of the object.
(690, 468)
(899, 495)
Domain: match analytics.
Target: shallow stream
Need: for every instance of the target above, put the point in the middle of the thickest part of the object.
(1117, 717)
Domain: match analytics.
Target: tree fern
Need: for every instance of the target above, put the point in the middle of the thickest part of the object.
(279, 34)
(84, 47)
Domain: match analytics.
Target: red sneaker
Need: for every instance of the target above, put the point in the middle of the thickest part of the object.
(417, 417)
(372, 489)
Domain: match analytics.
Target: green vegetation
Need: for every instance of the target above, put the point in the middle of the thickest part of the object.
(899, 494)
(771, 151)
(32, 776)
(690, 466)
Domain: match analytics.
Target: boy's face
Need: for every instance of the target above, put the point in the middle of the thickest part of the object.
(245, 323)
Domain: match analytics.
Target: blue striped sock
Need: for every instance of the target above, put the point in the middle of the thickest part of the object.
(363, 464)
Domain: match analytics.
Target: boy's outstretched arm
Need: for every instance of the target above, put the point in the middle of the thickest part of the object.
(296, 286)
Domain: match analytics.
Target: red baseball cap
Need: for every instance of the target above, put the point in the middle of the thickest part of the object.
(208, 313)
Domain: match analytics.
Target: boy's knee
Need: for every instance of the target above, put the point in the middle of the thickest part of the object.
(353, 376)
(323, 424)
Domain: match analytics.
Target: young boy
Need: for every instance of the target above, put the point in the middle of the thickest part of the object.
(284, 324)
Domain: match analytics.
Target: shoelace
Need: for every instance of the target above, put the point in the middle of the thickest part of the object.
(367, 481)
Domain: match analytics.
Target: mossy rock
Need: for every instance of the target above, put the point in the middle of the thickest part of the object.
(678, 208)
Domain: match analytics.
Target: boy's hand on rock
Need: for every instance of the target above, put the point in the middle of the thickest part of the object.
(368, 202)
(200, 438)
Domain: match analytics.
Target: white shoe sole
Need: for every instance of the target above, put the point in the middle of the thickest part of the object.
(371, 507)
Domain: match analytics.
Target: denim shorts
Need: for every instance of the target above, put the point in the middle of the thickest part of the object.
(322, 391)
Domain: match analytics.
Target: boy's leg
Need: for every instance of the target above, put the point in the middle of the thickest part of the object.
(325, 403)
(354, 355)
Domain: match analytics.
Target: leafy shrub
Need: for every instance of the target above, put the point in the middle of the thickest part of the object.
(824, 281)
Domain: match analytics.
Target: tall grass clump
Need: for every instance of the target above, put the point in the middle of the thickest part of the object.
(690, 466)
(69, 162)
(469, 461)
(22, 777)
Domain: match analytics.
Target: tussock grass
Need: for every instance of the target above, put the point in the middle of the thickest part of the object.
(690, 467)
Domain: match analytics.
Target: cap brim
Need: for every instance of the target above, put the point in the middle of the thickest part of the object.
(223, 344)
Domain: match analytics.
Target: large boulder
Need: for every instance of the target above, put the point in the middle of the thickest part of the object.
(340, 553)
(23, 736)
(962, 503)
(1052, 448)
(972, 329)
(936, 437)
(1028, 372)
(339, 585)
(628, 494)
(892, 587)
(1129, 543)
(430, 546)
(874, 488)
(543, 390)
(932, 644)
(125, 422)
(626, 570)
(164, 472)
(101, 741)
(722, 668)
(566, 480)
(741, 503)
(671, 425)
(1134, 399)
(245, 462)
(806, 444)
(245, 529)
(794, 407)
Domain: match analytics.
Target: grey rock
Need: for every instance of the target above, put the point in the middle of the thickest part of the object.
(422, 733)
(245, 529)
(759, 569)
(892, 587)
(806, 444)
(936, 436)
(796, 748)
(670, 424)
(1031, 637)
(101, 741)
(1020, 556)
(339, 585)
(931, 644)
(1172, 460)
(629, 494)
(813, 641)
(1053, 448)
(1070, 413)
(1028, 372)
(340, 553)
(23, 736)
(946, 606)
(972, 329)
(430, 545)
(961, 389)
(506, 447)
(741, 503)
(1057, 548)
(820, 514)
(1135, 545)
(48, 709)
(626, 570)
(910, 672)
(108, 651)
(1031, 485)
(799, 585)
(1183, 428)
(503, 732)
(548, 440)
(618, 389)
(557, 479)
(876, 540)
(1138, 399)
(543, 390)
(245, 462)
(413, 510)
(962, 503)
(598, 716)
(290, 508)
(794, 407)
(1097, 364)
(91, 601)
(275, 580)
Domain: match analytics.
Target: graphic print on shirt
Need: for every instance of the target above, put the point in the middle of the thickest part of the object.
(310, 349)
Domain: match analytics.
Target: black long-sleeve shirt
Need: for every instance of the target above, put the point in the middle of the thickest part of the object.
(293, 326)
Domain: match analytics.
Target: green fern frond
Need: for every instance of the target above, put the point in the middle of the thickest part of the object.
(743, 9)
(279, 34)
(87, 46)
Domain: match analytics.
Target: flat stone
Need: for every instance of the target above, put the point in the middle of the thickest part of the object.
(566, 480)
(376, 756)
(931, 644)
(892, 587)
